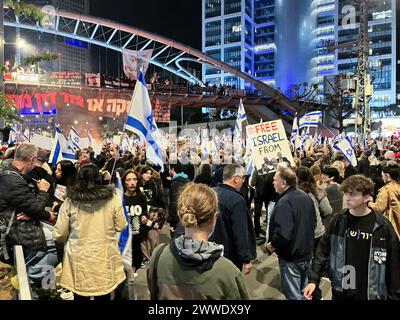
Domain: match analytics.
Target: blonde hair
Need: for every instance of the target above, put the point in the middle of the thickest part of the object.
(316, 172)
(197, 203)
(339, 166)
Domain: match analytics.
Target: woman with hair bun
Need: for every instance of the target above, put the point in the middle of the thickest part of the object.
(191, 267)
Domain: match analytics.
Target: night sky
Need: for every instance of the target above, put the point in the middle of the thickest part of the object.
(177, 19)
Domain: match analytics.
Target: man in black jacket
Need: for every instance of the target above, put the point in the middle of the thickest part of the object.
(234, 228)
(291, 233)
(179, 180)
(264, 193)
(360, 249)
(17, 198)
(38, 173)
(364, 166)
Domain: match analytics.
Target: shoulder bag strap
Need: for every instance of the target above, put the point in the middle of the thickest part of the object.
(153, 283)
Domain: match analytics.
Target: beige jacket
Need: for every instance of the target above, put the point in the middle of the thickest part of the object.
(92, 264)
(388, 203)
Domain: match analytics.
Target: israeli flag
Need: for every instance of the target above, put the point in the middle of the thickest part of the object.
(91, 142)
(303, 139)
(27, 135)
(249, 163)
(125, 237)
(241, 117)
(310, 119)
(337, 139)
(74, 138)
(126, 144)
(294, 134)
(238, 133)
(345, 146)
(318, 141)
(141, 121)
(61, 149)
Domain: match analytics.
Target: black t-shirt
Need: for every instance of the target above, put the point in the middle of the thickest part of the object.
(358, 242)
(135, 207)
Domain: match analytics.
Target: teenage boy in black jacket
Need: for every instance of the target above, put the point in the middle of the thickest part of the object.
(360, 249)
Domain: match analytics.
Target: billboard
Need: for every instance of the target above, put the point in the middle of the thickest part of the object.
(108, 103)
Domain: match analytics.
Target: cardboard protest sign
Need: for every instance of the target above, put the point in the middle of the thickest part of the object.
(270, 146)
(42, 142)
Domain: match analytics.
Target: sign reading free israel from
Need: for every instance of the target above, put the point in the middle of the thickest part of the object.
(270, 146)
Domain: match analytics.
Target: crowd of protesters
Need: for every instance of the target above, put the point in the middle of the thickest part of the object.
(320, 217)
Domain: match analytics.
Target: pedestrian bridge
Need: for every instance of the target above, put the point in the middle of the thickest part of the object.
(167, 53)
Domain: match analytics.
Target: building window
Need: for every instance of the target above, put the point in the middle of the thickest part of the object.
(232, 6)
(249, 8)
(233, 57)
(213, 33)
(216, 54)
(264, 11)
(232, 81)
(212, 8)
(248, 33)
(233, 30)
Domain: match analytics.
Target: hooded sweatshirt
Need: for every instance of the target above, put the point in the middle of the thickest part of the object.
(190, 269)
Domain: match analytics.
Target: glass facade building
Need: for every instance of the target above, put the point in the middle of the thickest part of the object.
(284, 42)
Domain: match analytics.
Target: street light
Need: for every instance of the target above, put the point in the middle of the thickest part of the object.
(20, 43)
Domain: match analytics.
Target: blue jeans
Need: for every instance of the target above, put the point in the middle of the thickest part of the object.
(40, 264)
(293, 278)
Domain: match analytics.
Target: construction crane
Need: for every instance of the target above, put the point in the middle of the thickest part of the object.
(363, 93)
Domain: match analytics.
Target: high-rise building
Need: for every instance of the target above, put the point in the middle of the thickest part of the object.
(285, 42)
(382, 48)
(73, 55)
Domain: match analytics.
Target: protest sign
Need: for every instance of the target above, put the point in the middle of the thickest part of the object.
(270, 146)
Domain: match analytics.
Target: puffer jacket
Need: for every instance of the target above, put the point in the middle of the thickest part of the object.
(384, 264)
(17, 191)
(388, 203)
(88, 224)
(17, 194)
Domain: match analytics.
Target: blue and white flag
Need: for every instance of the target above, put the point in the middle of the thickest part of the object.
(318, 141)
(310, 119)
(26, 135)
(126, 143)
(141, 121)
(74, 139)
(61, 149)
(345, 146)
(305, 135)
(241, 117)
(294, 134)
(125, 237)
(91, 142)
(337, 139)
(365, 142)
(238, 132)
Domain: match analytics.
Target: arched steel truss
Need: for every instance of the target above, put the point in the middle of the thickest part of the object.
(167, 54)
